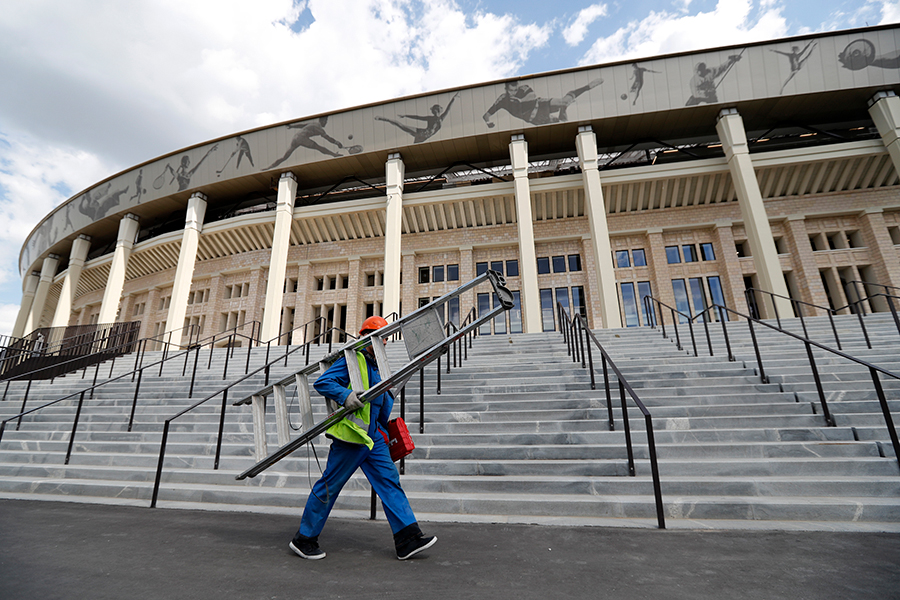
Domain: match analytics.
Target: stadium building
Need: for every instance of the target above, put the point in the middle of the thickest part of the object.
(690, 177)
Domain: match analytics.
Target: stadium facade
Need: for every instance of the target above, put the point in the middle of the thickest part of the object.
(688, 176)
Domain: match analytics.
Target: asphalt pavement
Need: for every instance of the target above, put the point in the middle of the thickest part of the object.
(51, 550)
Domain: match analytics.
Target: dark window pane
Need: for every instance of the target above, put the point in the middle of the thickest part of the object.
(423, 274)
(574, 262)
(515, 314)
(547, 309)
(672, 255)
(629, 304)
(717, 296)
(512, 268)
(578, 301)
(622, 259)
(423, 302)
(497, 265)
(452, 272)
(707, 252)
(438, 273)
(559, 264)
(499, 320)
(453, 307)
(480, 268)
(690, 253)
(698, 296)
(643, 292)
(681, 299)
(640, 259)
(562, 297)
(484, 307)
(543, 265)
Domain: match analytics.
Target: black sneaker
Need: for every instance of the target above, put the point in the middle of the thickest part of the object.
(307, 547)
(414, 545)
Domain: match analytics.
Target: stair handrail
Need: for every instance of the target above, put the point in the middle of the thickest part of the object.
(874, 370)
(648, 300)
(828, 310)
(575, 330)
(865, 284)
(889, 300)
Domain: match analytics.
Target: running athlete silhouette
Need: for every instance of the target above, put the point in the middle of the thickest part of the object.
(309, 130)
(139, 187)
(638, 76)
(520, 101)
(433, 122)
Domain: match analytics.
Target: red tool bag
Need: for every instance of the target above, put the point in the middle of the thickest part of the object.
(398, 440)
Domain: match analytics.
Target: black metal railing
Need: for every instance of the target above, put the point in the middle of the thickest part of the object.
(809, 345)
(579, 338)
(797, 305)
(888, 290)
(224, 393)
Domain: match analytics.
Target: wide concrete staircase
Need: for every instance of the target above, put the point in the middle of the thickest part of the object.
(517, 435)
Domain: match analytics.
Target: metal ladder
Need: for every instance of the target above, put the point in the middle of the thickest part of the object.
(425, 339)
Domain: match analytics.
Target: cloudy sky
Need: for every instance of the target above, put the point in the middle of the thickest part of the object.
(91, 87)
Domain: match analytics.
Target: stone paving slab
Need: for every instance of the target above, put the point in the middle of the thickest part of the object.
(53, 550)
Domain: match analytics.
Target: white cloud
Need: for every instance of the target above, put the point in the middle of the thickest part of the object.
(8, 314)
(890, 12)
(730, 22)
(575, 32)
(91, 87)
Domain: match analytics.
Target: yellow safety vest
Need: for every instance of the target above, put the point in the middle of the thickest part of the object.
(354, 428)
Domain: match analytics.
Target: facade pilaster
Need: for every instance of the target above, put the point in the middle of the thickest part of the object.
(732, 275)
(885, 260)
(281, 242)
(28, 291)
(659, 269)
(354, 301)
(806, 269)
(530, 294)
(730, 128)
(77, 255)
(593, 284)
(586, 143)
(302, 314)
(467, 273)
(187, 257)
(395, 172)
(48, 272)
(408, 292)
(128, 230)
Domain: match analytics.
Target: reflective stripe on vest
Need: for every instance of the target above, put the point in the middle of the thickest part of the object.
(354, 428)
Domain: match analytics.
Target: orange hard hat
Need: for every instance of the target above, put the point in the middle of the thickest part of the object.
(372, 323)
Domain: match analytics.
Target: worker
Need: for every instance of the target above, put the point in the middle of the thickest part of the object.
(358, 442)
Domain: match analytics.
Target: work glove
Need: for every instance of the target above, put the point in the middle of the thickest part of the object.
(352, 402)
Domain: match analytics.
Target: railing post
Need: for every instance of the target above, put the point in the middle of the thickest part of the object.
(799, 311)
(137, 389)
(93, 385)
(708, 339)
(227, 355)
(194, 373)
(886, 411)
(654, 469)
(74, 427)
(422, 400)
(890, 301)
(221, 428)
(693, 339)
(247, 364)
(612, 423)
(722, 315)
(762, 372)
(24, 400)
(812, 363)
(675, 325)
(862, 325)
(403, 416)
(627, 429)
(837, 339)
(439, 375)
(159, 466)
(591, 362)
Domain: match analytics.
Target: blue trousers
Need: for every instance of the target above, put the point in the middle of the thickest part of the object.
(379, 469)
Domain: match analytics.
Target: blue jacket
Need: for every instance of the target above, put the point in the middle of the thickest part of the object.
(334, 384)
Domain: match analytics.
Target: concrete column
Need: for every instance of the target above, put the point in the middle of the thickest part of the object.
(187, 256)
(659, 271)
(80, 248)
(805, 267)
(354, 300)
(281, 242)
(531, 299)
(48, 272)
(730, 128)
(884, 108)
(128, 230)
(586, 143)
(885, 260)
(593, 285)
(732, 276)
(395, 172)
(149, 316)
(302, 310)
(408, 293)
(467, 273)
(30, 287)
